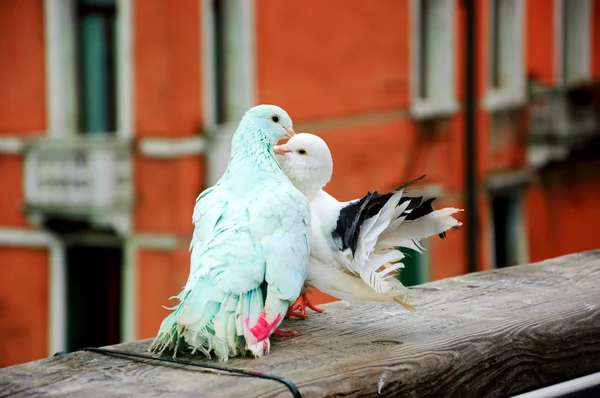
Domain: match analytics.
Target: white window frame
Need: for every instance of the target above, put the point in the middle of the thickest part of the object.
(61, 86)
(423, 108)
(516, 94)
(586, 32)
(241, 72)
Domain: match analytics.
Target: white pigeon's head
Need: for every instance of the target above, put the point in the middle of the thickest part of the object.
(307, 162)
(271, 120)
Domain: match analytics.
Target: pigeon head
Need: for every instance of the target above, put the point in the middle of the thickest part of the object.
(307, 162)
(272, 121)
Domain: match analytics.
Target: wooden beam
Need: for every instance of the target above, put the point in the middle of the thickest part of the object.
(492, 334)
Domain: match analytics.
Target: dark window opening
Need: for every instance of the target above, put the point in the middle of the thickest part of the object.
(565, 39)
(94, 261)
(495, 31)
(219, 59)
(505, 208)
(93, 295)
(423, 49)
(97, 46)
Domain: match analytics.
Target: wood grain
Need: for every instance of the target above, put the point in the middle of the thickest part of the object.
(487, 334)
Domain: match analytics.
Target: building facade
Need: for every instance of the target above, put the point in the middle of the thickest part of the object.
(116, 114)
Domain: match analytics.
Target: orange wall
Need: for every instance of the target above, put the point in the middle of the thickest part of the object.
(595, 26)
(539, 25)
(11, 198)
(562, 212)
(167, 74)
(304, 66)
(161, 274)
(24, 302)
(382, 155)
(166, 192)
(167, 104)
(23, 91)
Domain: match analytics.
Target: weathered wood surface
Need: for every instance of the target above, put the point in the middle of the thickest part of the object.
(491, 334)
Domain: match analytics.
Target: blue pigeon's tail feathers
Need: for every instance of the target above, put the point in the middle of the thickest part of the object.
(170, 333)
(210, 320)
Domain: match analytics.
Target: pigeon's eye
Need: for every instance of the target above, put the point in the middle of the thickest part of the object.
(301, 152)
(275, 118)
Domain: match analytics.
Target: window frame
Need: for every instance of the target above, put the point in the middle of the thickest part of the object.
(61, 69)
(559, 34)
(426, 108)
(514, 95)
(240, 94)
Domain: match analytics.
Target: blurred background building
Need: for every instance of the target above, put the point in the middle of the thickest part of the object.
(116, 114)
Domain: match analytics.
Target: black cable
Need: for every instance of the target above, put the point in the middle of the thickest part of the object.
(248, 373)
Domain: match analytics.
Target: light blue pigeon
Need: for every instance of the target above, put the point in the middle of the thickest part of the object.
(249, 250)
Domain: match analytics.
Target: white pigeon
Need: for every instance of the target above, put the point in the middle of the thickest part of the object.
(354, 245)
(250, 249)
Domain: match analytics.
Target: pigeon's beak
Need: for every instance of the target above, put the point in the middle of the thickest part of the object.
(281, 149)
(289, 132)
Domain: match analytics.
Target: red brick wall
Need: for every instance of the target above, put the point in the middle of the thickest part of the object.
(540, 32)
(11, 198)
(318, 60)
(562, 212)
(167, 74)
(168, 103)
(595, 26)
(166, 192)
(161, 274)
(24, 271)
(23, 93)
(24, 302)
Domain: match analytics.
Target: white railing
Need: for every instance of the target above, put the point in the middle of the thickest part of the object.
(86, 176)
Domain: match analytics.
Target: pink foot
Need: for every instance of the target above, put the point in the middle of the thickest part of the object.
(291, 313)
(298, 309)
(279, 332)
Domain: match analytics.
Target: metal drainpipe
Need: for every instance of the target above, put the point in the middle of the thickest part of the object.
(470, 135)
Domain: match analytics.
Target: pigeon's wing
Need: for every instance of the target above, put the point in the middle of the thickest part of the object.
(209, 208)
(280, 220)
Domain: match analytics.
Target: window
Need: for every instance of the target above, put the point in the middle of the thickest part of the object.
(509, 239)
(96, 61)
(229, 76)
(573, 40)
(433, 49)
(506, 71)
(228, 56)
(93, 296)
(88, 67)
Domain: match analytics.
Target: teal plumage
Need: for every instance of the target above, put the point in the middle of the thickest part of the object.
(249, 249)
